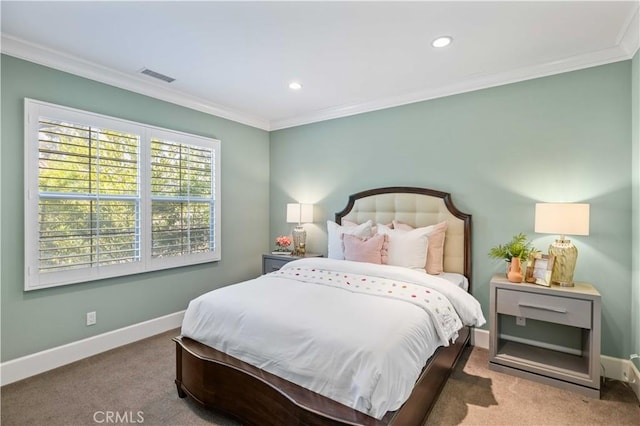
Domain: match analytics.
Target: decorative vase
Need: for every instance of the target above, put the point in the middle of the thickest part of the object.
(515, 271)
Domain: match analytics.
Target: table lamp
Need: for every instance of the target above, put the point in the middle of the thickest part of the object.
(299, 213)
(564, 219)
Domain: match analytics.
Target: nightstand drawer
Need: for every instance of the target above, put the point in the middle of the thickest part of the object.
(560, 310)
(271, 265)
(273, 262)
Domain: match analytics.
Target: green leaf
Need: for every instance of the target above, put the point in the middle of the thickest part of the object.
(517, 247)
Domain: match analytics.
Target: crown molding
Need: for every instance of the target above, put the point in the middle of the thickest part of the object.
(627, 45)
(32, 52)
(629, 37)
(622, 51)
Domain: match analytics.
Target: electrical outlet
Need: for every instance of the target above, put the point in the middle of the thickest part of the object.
(91, 318)
(521, 321)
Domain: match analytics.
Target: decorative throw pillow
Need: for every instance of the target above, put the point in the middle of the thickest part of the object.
(371, 250)
(374, 228)
(406, 248)
(334, 233)
(348, 223)
(435, 253)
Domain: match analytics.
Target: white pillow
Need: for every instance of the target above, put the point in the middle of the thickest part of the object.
(407, 248)
(335, 231)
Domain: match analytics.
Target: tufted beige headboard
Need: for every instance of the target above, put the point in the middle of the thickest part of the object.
(417, 207)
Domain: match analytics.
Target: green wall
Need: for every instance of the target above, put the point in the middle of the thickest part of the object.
(561, 138)
(42, 319)
(564, 138)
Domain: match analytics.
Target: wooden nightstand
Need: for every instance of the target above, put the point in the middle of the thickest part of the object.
(577, 307)
(273, 262)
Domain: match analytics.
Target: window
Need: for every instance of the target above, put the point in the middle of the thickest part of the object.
(181, 202)
(107, 197)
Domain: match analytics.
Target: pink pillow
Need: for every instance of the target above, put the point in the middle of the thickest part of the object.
(435, 252)
(370, 250)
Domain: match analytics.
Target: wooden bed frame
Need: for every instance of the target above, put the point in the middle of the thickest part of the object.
(256, 397)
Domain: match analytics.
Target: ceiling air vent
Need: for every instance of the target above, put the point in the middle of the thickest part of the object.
(151, 73)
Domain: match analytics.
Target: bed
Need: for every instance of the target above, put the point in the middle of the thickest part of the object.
(259, 390)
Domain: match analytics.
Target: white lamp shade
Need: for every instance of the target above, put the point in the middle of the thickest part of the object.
(299, 213)
(562, 218)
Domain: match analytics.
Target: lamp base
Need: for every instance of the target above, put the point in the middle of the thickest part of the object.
(299, 241)
(565, 255)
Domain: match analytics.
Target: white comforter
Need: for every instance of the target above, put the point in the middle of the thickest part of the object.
(362, 346)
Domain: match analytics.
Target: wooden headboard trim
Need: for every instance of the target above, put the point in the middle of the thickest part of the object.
(444, 196)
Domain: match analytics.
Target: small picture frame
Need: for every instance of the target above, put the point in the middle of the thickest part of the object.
(539, 269)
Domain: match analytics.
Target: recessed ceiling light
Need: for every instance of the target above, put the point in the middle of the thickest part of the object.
(295, 85)
(442, 41)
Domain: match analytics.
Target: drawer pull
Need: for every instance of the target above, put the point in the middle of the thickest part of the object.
(543, 308)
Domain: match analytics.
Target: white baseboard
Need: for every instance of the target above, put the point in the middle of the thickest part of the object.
(612, 368)
(480, 338)
(624, 370)
(30, 365)
(633, 378)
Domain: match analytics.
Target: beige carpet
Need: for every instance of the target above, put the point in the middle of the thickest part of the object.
(134, 384)
(474, 395)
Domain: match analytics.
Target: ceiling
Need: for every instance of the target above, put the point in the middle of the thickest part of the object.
(236, 59)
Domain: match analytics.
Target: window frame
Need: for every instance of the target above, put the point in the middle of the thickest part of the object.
(33, 278)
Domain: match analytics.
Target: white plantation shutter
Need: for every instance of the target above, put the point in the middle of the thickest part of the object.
(107, 197)
(88, 186)
(182, 206)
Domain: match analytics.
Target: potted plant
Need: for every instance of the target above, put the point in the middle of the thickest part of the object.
(518, 247)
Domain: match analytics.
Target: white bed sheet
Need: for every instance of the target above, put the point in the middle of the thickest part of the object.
(364, 351)
(456, 279)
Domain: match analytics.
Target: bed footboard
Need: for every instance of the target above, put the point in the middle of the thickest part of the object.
(256, 397)
(251, 395)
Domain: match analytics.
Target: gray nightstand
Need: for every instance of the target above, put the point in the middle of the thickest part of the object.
(577, 307)
(273, 262)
